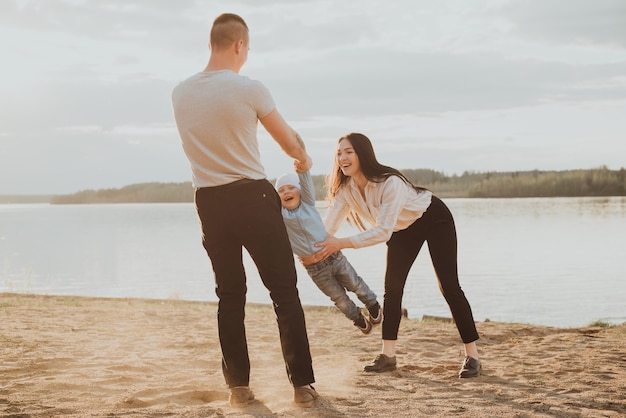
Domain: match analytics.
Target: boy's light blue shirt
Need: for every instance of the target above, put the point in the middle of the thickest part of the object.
(304, 223)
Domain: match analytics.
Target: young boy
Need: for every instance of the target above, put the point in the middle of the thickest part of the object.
(334, 275)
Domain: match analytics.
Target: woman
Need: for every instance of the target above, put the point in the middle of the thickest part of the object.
(404, 216)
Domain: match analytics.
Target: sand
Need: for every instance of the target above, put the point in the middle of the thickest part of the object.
(93, 357)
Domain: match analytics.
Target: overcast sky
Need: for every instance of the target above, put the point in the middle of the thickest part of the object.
(450, 85)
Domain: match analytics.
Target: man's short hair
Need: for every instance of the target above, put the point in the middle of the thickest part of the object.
(227, 29)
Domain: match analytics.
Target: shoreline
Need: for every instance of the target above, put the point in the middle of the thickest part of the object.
(598, 321)
(84, 356)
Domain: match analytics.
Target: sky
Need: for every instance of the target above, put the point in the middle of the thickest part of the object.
(448, 85)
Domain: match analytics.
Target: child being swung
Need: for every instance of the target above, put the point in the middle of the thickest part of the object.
(334, 275)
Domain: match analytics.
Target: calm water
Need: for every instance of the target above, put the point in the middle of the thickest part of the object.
(557, 261)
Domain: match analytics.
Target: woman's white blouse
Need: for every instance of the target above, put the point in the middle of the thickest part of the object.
(388, 206)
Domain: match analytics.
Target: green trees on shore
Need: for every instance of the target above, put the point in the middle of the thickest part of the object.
(135, 193)
(593, 182)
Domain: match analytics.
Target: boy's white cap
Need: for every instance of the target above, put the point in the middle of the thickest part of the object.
(288, 178)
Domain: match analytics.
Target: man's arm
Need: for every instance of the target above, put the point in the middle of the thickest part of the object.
(287, 138)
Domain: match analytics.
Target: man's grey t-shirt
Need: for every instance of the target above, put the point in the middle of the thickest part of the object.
(217, 114)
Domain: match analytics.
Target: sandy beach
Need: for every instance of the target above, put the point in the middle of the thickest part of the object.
(92, 357)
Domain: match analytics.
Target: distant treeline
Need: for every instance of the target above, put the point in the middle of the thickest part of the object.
(571, 183)
(135, 193)
(593, 182)
(21, 198)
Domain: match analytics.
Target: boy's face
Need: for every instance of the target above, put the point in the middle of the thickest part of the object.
(289, 196)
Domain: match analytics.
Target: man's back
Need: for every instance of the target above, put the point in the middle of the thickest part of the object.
(216, 113)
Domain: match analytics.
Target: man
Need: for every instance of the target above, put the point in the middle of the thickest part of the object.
(216, 113)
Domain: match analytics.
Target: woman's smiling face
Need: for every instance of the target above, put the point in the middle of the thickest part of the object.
(347, 159)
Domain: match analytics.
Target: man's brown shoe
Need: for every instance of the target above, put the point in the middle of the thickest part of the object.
(381, 363)
(240, 396)
(305, 396)
(471, 367)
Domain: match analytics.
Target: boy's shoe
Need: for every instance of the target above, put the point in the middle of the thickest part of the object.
(471, 367)
(305, 396)
(381, 363)
(363, 324)
(376, 313)
(240, 396)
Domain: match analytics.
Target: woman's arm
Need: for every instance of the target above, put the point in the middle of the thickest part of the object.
(336, 215)
(330, 246)
(393, 196)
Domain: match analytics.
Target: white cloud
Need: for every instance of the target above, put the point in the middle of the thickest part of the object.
(375, 82)
(599, 22)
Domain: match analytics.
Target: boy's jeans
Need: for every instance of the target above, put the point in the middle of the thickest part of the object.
(334, 276)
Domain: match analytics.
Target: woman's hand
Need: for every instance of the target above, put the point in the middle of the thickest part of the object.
(330, 246)
(308, 260)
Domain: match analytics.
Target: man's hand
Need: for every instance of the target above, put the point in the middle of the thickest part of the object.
(303, 166)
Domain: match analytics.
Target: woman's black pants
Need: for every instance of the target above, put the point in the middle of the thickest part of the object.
(436, 227)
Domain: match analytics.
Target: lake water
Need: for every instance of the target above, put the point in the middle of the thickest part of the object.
(545, 261)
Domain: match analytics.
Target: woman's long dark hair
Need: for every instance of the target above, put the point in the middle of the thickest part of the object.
(371, 168)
